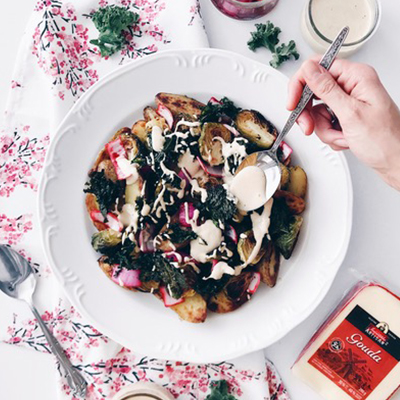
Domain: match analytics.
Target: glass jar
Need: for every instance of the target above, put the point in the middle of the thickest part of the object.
(245, 9)
(323, 19)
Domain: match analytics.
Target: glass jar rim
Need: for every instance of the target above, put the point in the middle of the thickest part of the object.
(362, 40)
(254, 4)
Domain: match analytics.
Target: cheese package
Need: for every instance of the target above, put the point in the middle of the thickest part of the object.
(355, 354)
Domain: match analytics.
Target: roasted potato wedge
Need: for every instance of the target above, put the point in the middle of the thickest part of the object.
(268, 266)
(295, 203)
(285, 176)
(93, 206)
(209, 143)
(245, 248)
(139, 130)
(256, 128)
(233, 295)
(193, 309)
(297, 182)
(179, 104)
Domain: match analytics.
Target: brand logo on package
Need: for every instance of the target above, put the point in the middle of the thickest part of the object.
(379, 332)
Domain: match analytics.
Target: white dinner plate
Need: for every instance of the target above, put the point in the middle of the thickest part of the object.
(140, 321)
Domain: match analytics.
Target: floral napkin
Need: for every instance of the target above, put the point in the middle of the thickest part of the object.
(56, 65)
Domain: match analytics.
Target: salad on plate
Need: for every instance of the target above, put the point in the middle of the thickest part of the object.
(170, 196)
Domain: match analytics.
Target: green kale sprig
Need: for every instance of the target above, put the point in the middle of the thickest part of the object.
(179, 235)
(112, 22)
(267, 35)
(220, 391)
(105, 190)
(217, 112)
(218, 206)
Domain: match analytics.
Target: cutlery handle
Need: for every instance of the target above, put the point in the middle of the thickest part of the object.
(326, 62)
(75, 380)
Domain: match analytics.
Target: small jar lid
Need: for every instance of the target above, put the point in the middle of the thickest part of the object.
(143, 391)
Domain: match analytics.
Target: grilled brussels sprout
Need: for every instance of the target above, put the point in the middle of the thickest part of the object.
(233, 295)
(295, 203)
(297, 182)
(268, 266)
(211, 148)
(287, 239)
(139, 131)
(256, 128)
(245, 247)
(105, 239)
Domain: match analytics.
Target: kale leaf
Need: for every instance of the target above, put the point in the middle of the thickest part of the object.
(154, 267)
(123, 254)
(218, 206)
(219, 112)
(178, 235)
(210, 287)
(105, 190)
(283, 53)
(111, 22)
(267, 35)
(220, 391)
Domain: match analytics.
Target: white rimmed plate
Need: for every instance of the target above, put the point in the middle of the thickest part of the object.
(140, 321)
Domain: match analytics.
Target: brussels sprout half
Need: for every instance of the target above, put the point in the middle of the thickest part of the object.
(210, 147)
(254, 127)
(105, 239)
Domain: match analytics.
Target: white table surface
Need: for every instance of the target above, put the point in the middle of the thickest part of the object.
(374, 247)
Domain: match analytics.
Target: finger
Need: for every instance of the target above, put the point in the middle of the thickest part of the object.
(337, 148)
(306, 122)
(324, 129)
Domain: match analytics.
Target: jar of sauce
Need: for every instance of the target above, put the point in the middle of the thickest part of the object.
(143, 391)
(322, 20)
(245, 9)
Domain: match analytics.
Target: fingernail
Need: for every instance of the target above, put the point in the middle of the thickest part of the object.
(302, 127)
(340, 143)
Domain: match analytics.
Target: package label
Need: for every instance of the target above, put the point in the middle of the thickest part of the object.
(359, 354)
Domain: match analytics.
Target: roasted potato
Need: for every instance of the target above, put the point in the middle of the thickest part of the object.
(285, 176)
(295, 203)
(268, 266)
(179, 104)
(233, 295)
(193, 309)
(256, 128)
(106, 239)
(93, 206)
(297, 182)
(209, 144)
(245, 248)
(139, 130)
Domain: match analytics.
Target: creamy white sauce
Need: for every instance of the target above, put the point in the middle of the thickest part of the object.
(330, 16)
(186, 123)
(196, 188)
(145, 210)
(190, 163)
(128, 169)
(235, 149)
(129, 217)
(249, 187)
(209, 238)
(157, 138)
(220, 269)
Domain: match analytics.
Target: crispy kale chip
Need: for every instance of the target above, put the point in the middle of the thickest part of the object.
(219, 112)
(283, 53)
(179, 235)
(112, 22)
(105, 190)
(220, 391)
(154, 267)
(122, 254)
(218, 206)
(267, 35)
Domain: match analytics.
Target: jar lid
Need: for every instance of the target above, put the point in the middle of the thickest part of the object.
(143, 391)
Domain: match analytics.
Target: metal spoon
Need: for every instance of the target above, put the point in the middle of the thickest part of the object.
(17, 281)
(267, 160)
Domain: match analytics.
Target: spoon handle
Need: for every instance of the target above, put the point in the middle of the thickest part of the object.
(326, 62)
(74, 378)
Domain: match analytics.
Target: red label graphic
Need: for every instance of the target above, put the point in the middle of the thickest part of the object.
(357, 356)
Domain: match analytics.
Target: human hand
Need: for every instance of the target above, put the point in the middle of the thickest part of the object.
(368, 117)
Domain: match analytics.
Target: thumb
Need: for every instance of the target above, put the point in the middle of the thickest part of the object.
(324, 86)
